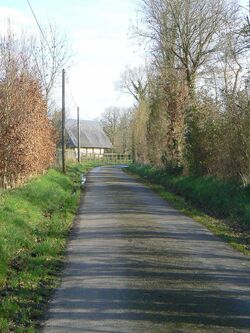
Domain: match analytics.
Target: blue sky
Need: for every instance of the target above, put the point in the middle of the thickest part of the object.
(98, 31)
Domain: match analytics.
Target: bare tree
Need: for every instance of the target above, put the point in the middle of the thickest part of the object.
(51, 53)
(134, 82)
(110, 119)
(124, 134)
(183, 34)
(117, 124)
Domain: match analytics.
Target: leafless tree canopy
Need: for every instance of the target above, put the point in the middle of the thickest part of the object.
(192, 103)
(50, 56)
(116, 123)
(184, 34)
(134, 82)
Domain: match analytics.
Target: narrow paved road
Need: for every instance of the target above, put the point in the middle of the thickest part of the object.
(137, 265)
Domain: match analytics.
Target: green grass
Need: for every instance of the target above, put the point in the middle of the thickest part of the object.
(35, 221)
(224, 207)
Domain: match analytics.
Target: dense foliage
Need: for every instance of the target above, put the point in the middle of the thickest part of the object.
(26, 136)
(220, 198)
(192, 110)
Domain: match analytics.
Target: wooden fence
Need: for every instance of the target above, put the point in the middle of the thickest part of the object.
(106, 158)
(70, 156)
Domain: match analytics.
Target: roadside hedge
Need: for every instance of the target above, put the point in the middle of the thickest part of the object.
(214, 196)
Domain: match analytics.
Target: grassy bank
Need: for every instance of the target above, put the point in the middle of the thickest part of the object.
(223, 207)
(35, 221)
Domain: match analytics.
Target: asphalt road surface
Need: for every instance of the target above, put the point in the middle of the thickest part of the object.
(135, 264)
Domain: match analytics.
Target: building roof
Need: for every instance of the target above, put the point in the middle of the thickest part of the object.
(91, 134)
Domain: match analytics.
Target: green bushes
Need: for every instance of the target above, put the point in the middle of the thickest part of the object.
(219, 198)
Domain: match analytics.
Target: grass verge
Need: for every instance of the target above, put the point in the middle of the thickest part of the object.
(35, 221)
(224, 208)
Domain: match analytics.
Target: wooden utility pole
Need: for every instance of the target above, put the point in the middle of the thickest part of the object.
(63, 121)
(78, 136)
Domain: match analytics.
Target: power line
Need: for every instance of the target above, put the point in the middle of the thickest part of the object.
(50, 50)
(70, 92)
(40, 28)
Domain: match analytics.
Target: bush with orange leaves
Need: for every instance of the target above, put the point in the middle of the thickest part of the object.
(27, 144)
